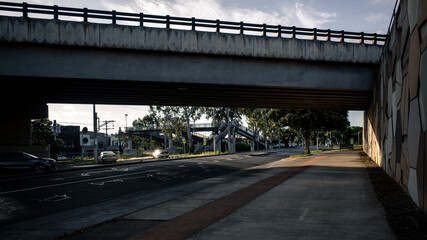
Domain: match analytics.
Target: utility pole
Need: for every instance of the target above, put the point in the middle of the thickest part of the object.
(106, 122)
(126, 122)
(265, 132)
(95, 132)
(214, 125)
(120, 141)
(229, 130)
(317, 140)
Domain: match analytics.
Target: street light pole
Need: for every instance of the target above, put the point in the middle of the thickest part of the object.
(95, 132)
(126, 122)
(214, 125)
(265, 132)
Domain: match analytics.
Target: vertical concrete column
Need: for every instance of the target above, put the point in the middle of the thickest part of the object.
(16, 125)
(130, 142)
(16, 131)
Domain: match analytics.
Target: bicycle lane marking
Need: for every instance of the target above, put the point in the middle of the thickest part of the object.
(190, 223)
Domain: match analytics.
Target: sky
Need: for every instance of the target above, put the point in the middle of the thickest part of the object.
(349, 15)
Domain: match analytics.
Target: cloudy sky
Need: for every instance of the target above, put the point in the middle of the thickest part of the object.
(349, 15)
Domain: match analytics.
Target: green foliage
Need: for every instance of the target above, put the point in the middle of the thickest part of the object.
(42, 135)
(354, 133)
(222, 113)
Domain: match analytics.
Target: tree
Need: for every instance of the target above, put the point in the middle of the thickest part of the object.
(354, 133)
(307, 121)
(255, 118)
(148, 120)
(42, 135)
(191, 113)
(177, 120)
(222, 114)
(278, 124)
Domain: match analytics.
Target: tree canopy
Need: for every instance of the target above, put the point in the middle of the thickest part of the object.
(42, 135)
(282, 124)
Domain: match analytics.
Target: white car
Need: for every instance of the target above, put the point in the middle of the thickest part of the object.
(107, 156)
(161, 154)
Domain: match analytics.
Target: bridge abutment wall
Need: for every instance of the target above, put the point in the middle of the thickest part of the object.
(395, 126)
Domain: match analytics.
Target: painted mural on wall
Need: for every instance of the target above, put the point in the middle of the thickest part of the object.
(396, 122)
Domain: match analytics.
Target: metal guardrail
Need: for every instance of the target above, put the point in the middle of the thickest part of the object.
(193, 23)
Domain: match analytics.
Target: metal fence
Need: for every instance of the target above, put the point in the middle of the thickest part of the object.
(168, 22)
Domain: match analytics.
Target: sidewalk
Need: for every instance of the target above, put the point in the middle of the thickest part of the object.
(326, 196)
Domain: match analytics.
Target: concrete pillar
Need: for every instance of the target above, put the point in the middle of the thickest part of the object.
(15, 132)
(130, 142)
(15, 127)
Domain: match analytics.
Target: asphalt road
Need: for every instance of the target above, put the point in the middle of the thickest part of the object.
(27, 197)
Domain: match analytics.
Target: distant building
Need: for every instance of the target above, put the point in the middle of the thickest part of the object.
(75, 142)
(71, 137)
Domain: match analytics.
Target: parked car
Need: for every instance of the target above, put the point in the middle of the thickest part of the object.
(60, 157)
(107, 156)
(161, 154)
(26, 161)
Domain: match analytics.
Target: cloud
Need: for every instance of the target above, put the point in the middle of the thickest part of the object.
(311, 18)
(289, 15)
(375, 17)
(381, 2)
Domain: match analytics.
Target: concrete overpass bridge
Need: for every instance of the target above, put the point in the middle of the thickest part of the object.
(68, 57)
(92, 56)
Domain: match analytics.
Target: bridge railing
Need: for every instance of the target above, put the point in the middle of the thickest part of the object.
(194, 24)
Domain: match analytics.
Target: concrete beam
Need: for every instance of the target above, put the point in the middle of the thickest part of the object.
(66, 33)
(143, 66)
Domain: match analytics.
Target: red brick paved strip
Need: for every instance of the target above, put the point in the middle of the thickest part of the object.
(192, 222)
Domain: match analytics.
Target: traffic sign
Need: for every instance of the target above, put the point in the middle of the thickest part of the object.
(184, 141)
(204, 143)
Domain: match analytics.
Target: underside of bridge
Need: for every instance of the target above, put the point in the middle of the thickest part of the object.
(87, 91)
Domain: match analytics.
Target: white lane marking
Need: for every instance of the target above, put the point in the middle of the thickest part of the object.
(6, 206)
(103, 183)
(55, 198)
(68, 183)
(56, 179)
(303, 214)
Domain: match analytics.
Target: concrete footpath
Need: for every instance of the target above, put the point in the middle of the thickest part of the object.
(325, 196)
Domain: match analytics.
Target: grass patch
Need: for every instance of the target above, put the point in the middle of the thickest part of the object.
(188, 155)
(301, 155)
(77, 162)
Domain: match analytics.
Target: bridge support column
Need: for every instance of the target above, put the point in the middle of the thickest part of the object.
(130, 142)
(16, 127)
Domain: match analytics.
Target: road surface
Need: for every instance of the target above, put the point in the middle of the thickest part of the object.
(25, 198)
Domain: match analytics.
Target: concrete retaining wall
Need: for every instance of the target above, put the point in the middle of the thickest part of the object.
(396, 123)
